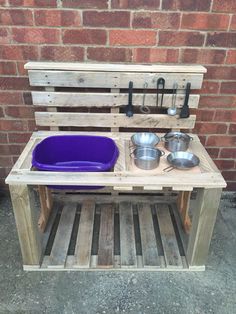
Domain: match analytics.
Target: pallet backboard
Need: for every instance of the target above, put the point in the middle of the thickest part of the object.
(69, 86)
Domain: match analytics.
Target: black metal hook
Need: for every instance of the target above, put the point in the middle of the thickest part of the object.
(160, 85)
(129, 108)
(184, 113)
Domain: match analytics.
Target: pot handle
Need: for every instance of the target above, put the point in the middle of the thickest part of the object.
(168, 169)
(191, 138)
(163, 139)
(162, 152)
(132, 155)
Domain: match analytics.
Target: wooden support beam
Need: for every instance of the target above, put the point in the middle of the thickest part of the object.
(45, 198)
(202, 226)
(183, 202)
(26, 222)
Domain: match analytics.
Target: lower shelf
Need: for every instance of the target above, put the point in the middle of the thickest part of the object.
(113, 236)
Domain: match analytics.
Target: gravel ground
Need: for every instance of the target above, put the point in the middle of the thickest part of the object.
(212, 291)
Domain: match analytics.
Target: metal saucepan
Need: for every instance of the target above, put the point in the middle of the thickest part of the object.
(145, 139)
(147, 158)
(176, 141)
(182, 160)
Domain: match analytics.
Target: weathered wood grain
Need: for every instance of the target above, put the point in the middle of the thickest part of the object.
(110, 67)
(68, 99)
(85, 234)
(113, 120)
(62, 239)
(106, 237)
(25, 214)
(168, 237)
(203, 222)
(111, 79)
(127, 239)
(148, 240)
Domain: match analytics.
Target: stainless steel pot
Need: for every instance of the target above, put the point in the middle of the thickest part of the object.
(145, 139)
(147, 158)
(176, 141)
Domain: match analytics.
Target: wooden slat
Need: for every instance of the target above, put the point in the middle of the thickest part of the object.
(111, 79)
(113, 135)
(85, 234)
(120, 164)
(148, 239)
(106, 237)
(49, 226)
(102, 199)
(65, 99)
(113, 120)
(127, 239)
(63, 234)
(108, 67)
(168, 237)
(176, 181)
(127, 152)
(183, 235)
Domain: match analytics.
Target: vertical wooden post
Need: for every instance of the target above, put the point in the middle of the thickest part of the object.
(183, 202)
(45, 198)
(52, 109)
(203, 222)
(115, 110)
(26, 222)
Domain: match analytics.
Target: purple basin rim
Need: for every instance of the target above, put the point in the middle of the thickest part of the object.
(75, 153)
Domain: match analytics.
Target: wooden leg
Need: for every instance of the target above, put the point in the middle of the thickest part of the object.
(49, 198)
(45, 198)
(203, 222)
(183, 207)
(26, 222)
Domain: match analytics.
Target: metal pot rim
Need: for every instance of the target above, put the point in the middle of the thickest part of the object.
(139, 149)
(134, 137)
(176, 135)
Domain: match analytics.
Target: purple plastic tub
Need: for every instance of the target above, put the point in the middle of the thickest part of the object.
(75, 153)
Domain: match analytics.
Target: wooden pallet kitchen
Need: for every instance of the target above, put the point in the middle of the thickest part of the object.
(141, 220)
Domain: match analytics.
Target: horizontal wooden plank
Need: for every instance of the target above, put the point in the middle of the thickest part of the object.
(113, 135)
(102, 199)
(69, 267)
(113, 120)
(173, 180)
(108, 67)
(112, 79)
(63, 99)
